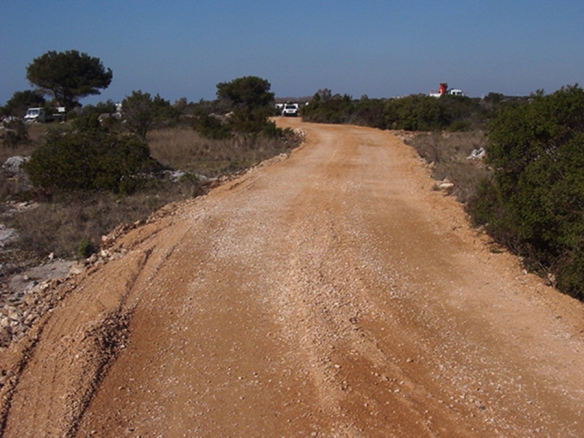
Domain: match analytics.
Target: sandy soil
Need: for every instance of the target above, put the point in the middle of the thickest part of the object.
(329, 294)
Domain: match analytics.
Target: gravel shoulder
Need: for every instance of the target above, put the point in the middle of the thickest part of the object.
(333, 293)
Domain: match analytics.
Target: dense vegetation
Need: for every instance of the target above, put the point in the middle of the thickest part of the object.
(534, 202)
(89, 156)
(417, 112)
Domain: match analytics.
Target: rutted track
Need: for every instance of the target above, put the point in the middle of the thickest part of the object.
(330, 294)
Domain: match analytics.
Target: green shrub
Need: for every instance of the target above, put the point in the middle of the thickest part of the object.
(271, 131)
(465, 113)
(90, 158)
(369, 112)
(534, 203)
(212, 127)
(86, 248)
(416, 113)
(337, 109)
(249, 120)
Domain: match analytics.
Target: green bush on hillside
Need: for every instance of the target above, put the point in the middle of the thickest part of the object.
(335, 109)
(89, 157)
(369, 112)
(534, 203)
(249, 120)
(212, 127)
(416, 113)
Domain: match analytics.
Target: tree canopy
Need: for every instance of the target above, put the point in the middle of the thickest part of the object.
(248, 91)
(250, 102)
(68, 76)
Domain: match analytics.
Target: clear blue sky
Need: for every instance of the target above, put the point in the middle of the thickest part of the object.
(183, 48)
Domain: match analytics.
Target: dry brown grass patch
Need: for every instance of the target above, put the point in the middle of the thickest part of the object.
(187, 150)
(448, 155)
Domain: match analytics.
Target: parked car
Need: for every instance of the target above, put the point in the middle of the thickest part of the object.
(40, 115)
(35, 115)
(290, 109)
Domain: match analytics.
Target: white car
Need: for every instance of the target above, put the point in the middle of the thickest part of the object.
(290, 109)
(35, 115)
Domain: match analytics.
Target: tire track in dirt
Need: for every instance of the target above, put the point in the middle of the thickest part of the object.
(94, 332)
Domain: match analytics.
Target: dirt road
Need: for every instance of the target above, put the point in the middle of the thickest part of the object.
(330, 294)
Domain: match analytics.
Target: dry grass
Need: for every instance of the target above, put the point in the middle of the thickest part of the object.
(448, 154)
(61, 225)
(185, 149)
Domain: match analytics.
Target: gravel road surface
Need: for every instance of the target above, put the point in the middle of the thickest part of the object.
(331, 294)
